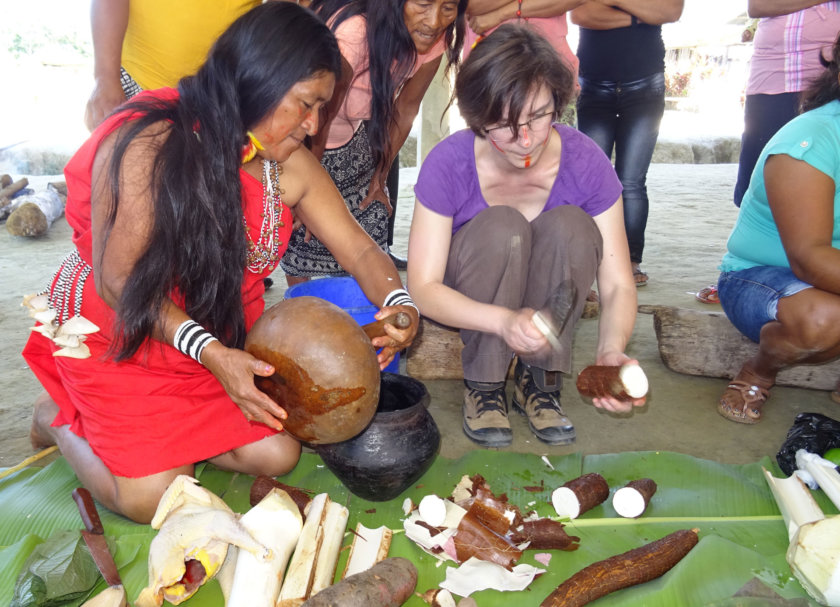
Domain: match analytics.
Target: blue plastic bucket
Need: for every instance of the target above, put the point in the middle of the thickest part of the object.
(344, 292)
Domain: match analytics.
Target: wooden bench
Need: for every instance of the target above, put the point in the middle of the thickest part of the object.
(703, 343)
(692, 342)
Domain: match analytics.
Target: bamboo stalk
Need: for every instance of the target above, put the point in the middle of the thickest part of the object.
(28, 461)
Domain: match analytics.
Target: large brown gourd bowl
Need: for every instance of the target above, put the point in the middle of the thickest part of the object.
(326, 374)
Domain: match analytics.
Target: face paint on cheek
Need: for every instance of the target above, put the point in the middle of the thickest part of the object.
(527, 161)
(495, 145)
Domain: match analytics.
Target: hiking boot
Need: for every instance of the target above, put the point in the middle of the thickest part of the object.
(541, 404)
(485, 414)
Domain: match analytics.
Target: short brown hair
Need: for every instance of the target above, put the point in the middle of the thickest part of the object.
(502, 70)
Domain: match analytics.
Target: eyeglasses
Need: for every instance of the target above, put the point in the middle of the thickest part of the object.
(505, 134)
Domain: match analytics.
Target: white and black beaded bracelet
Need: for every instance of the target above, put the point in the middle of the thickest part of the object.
(191, 339)
(399, 297)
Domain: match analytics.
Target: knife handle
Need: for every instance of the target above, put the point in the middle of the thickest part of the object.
(87, 509)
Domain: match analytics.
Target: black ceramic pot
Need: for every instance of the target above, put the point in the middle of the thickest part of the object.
(395, 450)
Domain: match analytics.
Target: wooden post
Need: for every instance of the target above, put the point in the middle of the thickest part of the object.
(432, 128)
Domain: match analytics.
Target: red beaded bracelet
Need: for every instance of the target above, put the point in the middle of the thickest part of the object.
(519, 10)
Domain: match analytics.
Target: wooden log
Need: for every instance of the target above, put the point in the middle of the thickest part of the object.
(702, 343)
(436, 351)
(9, 190)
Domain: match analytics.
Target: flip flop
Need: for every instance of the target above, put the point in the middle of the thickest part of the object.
(708, 295)
(640, 277)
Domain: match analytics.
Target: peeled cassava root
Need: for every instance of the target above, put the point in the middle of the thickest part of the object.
(389, 583)
(625, 382)
(634, 567)
(632, 500)
(580, 494)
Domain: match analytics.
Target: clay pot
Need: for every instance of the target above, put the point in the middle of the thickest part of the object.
(326, 373)
(396, 448)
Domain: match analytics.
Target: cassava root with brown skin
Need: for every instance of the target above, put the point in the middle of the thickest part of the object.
(633, 567)
(389, 583)
(624, 382)
(590, 490)
(632, 500)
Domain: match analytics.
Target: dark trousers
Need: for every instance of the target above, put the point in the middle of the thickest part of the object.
(501, 258)
(625, 117)
(763, 116)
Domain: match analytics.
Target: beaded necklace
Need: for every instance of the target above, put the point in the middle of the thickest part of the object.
(265, 251)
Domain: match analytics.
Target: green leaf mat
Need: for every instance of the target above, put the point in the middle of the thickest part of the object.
(742, 535)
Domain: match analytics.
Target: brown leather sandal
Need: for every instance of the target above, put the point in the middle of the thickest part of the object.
(742, 402)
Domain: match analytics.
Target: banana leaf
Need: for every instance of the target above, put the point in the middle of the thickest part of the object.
(742, 536)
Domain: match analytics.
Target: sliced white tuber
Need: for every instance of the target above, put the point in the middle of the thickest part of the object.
(432, 510)
(475, 575)
(407, 506)
(823, 472)
(335, 523)
(795, 502)
(298, 583)
(814, 558)
(547, 462)
(439, 597)
(632, 500)
(634, 379)
(277, 522)
(112, 596)
(565, 502)
(369, 546)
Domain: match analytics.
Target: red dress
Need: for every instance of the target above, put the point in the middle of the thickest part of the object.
(159, 409)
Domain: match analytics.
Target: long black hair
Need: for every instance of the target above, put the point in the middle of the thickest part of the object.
(197, 245)
(391, 55)
(826, 87)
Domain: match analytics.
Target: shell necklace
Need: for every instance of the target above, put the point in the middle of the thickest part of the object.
(265, 251)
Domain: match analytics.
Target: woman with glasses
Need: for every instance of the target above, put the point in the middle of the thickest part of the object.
(510, 212)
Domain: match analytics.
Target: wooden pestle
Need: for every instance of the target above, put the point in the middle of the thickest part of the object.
(400, 320)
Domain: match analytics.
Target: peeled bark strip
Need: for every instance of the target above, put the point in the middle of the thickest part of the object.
(263, 484)
(298, 583)
(369, 546)
(580, 494)
(474, 539)
(634, 567)
(625, 382)
(544, 534)
(632, 500)
(335, 523)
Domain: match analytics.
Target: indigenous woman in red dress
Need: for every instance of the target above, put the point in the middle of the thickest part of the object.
(181, 204)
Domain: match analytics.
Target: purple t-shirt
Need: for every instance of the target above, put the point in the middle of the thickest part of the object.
(448, 182)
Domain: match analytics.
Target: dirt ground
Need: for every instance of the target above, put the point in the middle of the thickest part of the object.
(690, 218)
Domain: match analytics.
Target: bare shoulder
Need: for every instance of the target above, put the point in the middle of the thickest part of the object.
(302, 174)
